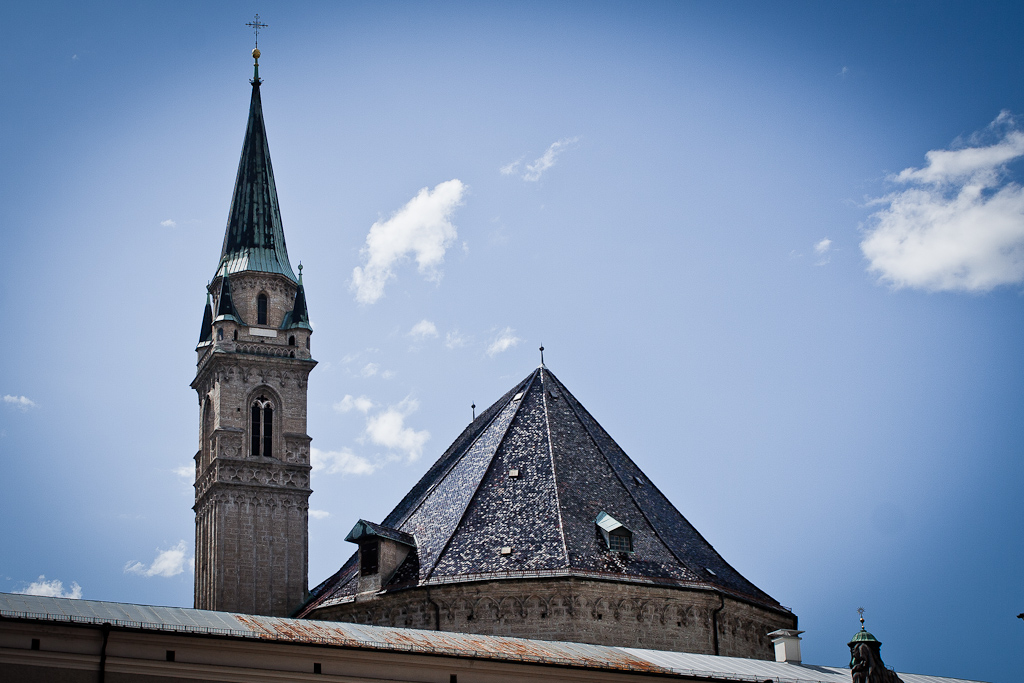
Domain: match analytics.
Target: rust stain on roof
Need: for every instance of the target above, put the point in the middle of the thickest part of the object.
(443, 643)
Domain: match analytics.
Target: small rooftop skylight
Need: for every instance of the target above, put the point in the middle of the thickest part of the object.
(638, 480)
(517, 396)
(513, 473)
(506, 550)
(711, 571)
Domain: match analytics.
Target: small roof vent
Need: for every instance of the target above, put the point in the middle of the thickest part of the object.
(616, 536)
(517, 396)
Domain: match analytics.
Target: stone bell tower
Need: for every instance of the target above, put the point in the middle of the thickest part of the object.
(252, 467)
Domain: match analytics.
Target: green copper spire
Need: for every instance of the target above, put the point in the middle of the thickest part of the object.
(254, 238)
(298, 316)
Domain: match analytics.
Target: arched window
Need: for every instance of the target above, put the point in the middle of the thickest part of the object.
(291, 340)
(220, 334)
(261, 309)
(262, 427)
(236, 335)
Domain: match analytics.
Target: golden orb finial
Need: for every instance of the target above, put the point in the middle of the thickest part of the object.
(256, 53)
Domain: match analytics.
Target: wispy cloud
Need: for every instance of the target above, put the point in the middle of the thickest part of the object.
(319, 514)
(369, 370)
(167, 563)
(168, 223)
(843, 72)
(185, 471)
(823, 248)
(533, 171)
(387, 428)
(340, 462)
(454, 340)
(349, 403)
(52, 589)
(19, 402)
(511, 167)
(505, 340)
(423, 329)
(422, 228)
(959, 223)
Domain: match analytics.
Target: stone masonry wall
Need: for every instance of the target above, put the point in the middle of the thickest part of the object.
(252, 510)
(578, 610)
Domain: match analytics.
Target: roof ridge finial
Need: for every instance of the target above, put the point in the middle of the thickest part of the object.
(860, 611)
(256, 25)
(542, 355)
(473, 407)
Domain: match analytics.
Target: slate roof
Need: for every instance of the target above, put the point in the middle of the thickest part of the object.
(186, 621)
(467, 507)
(254, 238)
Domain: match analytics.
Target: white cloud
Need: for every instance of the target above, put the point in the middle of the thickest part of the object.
(422, 228)
(423, 329)
(505, 340)
(340, 462)
(185, 471)
(52, 589)
(362, 404)
(319, 514)
(454, 340)
(959, 223)
(369, 370)
(822, 249)
(511, 167)
(168, 223)
(168, 563)
(843, 71)
(533, 172)
(387, 428)
(19, 402)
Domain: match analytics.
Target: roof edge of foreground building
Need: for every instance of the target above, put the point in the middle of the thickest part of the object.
(44, 638)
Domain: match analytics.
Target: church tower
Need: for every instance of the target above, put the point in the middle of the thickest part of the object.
(252, 467)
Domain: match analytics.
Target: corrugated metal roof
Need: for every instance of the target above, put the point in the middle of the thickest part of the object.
(180, 619)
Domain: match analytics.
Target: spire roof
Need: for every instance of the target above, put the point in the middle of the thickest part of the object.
(225, 307)
(536, 474)
(298, 316)
(254, 238)
(206, 331)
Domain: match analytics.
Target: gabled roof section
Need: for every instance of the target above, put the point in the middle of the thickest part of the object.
(532, 475)
(364, 529)
(254, 238)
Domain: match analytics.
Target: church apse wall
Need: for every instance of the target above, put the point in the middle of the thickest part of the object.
(579, 610)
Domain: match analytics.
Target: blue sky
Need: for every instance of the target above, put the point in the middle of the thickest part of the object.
(722, 221)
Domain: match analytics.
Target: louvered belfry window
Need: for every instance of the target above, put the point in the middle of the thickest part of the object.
(261, 309)
(262, 427)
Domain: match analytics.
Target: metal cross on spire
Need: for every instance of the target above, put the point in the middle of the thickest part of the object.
(256, 25)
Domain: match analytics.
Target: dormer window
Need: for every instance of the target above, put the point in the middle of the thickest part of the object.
(262, 428)
(261, 309)
(369, 557)
(617, 538)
